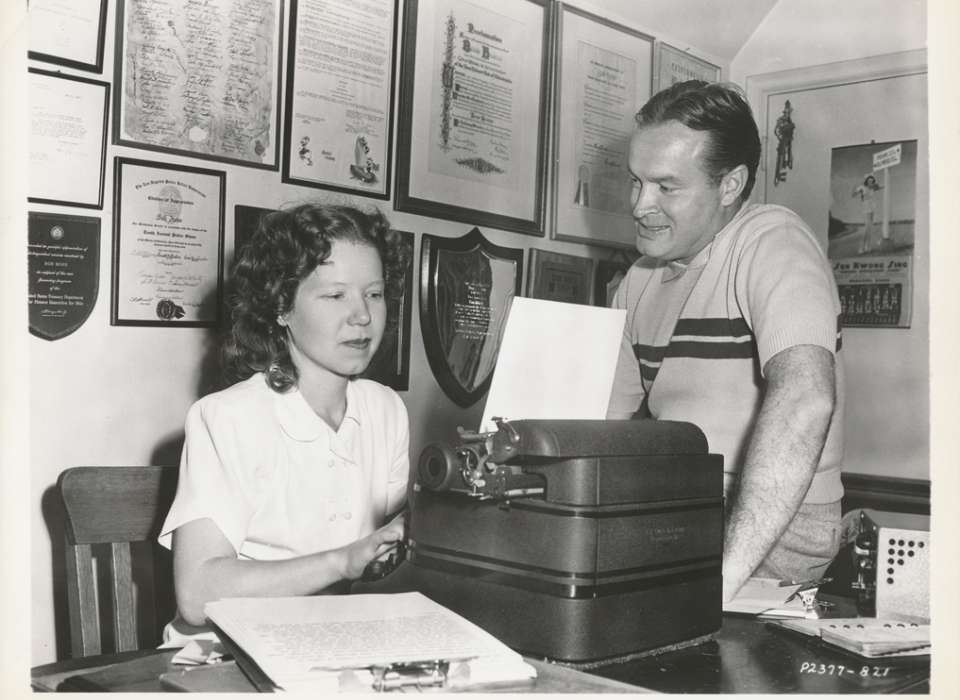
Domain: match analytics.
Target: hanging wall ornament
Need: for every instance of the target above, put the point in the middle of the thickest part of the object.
(784, 132)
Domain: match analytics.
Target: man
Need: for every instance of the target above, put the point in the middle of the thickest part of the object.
(732, 324)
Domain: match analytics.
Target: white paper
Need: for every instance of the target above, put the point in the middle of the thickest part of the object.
(556, 361)
(309, 640)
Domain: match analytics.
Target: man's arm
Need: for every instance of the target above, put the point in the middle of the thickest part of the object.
(781, 458)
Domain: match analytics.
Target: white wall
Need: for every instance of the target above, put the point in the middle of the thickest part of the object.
(108, 395)
(887, 416)
(798, 33)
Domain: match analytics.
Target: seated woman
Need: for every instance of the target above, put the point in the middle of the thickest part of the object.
(288, 477)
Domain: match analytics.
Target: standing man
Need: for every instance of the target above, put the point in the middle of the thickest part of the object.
(733, 325)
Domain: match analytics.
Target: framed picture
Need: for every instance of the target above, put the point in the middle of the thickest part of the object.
(167, 244)
(68, 139)
(68, 33)
(609, 274)
(391, 363)
(339, 104)
(471, 144)
(676, 66)
(200, 79)
(603, 77)
(559, 277)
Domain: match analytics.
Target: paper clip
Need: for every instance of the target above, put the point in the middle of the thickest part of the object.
(421, 674)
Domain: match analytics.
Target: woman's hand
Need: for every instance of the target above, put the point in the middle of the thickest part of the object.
(378, 543)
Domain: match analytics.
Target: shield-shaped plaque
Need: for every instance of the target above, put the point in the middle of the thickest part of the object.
(63, 268)
(466, 287)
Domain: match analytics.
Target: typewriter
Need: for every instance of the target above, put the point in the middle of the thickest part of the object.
(578, 541)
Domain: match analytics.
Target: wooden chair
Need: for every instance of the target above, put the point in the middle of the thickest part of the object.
(108, 509)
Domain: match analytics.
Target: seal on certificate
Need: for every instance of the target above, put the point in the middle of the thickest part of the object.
(168, 310)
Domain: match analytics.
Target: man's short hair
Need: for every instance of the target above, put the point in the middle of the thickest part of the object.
(719, 109)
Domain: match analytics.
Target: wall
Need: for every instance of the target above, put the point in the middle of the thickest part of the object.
(887, 416)
(109, 395)
(117, 395)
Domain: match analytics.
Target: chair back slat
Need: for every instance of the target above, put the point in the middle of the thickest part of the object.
(113, 506)
(121, 594)
(82, 602)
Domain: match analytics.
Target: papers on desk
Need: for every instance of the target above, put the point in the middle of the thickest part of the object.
(869, 637)
(556, 361)
(766, 597)
(345, 643)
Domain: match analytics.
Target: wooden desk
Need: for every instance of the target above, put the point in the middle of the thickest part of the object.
(151, 671)
(746, 656)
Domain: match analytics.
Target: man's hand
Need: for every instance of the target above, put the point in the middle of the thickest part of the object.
(782, 457)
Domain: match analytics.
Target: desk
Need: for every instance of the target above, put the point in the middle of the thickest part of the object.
(746, 656)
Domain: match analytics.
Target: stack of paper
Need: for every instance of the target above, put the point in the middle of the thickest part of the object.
(867, 636)
(333, 643)
(767, 597)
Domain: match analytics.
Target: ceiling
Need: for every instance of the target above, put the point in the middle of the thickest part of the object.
(718, 27)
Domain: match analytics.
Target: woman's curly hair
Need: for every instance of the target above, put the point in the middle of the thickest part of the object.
(287, 246)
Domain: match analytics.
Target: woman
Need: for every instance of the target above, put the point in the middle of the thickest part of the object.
(868, 205)
(288, 476)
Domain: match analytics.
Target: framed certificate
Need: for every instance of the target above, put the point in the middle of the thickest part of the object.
(339, 104)
(603, 77)
(68, 139)
(471, 144)
(560, 277)
(68, 32)
(676, 66)
(199, 78)
(167, 244)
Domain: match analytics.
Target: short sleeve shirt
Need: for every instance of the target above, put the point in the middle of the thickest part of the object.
(278, 481)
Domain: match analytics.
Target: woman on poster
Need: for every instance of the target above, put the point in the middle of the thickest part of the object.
(868, 205)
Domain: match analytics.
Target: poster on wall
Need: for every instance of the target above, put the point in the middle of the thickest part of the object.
(167, 244)
(339, 114)
(870, 232)
(604, 76)
(472, 136)
(200, 78)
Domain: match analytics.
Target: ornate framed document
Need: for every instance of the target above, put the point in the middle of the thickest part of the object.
(471, 143)
(603, 76)
(167, 244)
(559, 277)
(68, 32)
(200, 78)
(676, 66)
(466, 287)
(339, 104)
(68, 139)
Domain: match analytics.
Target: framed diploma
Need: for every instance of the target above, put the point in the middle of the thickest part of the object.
(167, 244)
(559, 277)
(200, 78)
(676, 66)
(339, 105)
(68, 32)
(471, 143)
(68, 139)
(603, 77)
